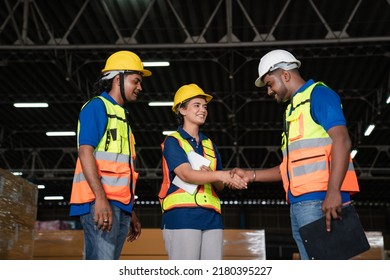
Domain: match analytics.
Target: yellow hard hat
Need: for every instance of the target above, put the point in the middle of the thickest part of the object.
(186, 92)
(125, 61)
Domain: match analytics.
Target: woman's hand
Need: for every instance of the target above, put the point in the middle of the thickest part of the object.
(234, 181)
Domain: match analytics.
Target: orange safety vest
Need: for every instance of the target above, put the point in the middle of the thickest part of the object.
(204, 196)
(114, 156)
(307, 152)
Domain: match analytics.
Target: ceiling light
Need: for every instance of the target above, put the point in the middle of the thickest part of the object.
(31, 105)
(17, 173)
(54, 197)
(41, 187)
(160, 103)
(167, 132)
(353, 153)
(156, 64)
(388, 100)
(61, 133)
(369, 129)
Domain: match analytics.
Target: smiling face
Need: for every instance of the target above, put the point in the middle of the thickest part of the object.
(195, 111)
(275, 82)
(132, 86)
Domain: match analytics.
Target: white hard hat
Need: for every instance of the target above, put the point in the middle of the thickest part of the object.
(276, 59)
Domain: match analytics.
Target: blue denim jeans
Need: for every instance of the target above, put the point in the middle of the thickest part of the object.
(105, 245)
(303, 213)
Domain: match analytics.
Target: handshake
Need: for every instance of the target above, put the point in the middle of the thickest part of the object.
(236, 178)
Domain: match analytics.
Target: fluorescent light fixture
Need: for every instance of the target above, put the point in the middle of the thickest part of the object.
(54, 197)
(31, 105)
(161, 103)
(17, 173)
(353, 153)
(41, 187)
(61, 133)
(156, 64)
(388, 100)
(369, 129)
(167, 132)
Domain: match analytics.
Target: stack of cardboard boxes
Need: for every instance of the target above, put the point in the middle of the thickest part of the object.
(18, 210)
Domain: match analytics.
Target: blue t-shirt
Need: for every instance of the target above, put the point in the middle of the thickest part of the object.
(93, 122)
(326, 110)
(187, 217)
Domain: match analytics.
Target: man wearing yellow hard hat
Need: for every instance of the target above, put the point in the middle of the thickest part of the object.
(104, 180)
(191, 222)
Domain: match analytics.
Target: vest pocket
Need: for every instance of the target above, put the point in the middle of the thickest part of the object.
(309, 169)
(295, 126)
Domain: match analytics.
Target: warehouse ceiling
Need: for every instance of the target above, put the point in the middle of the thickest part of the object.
(53, 51)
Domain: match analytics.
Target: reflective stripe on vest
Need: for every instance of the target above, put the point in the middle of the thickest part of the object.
(205, 195)
(114, 158)
(308, 154)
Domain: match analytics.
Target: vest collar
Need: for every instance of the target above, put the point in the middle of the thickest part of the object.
(186, 136)
(305, 86)
(109, 98)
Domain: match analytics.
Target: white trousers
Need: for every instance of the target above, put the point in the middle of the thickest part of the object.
(193, 244)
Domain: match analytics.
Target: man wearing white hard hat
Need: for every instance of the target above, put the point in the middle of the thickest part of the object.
(317, 170)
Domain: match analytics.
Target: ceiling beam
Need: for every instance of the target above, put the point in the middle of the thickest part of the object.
(201, 45)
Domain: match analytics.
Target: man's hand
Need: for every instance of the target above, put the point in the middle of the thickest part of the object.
(103, 214)
(244, 174)
(233, 181)
(135, 228)
(331, 207)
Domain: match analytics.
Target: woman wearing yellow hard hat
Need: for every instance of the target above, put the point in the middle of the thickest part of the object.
(191, 221)
(104, 180)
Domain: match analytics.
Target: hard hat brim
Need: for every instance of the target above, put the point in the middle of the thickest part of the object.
(259, 82)
(146, 73)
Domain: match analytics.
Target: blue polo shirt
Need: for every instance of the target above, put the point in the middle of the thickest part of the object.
(326, 110)
(187, 217)
(93, 122)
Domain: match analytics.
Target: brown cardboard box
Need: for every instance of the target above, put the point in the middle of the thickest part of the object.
(18, 210)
